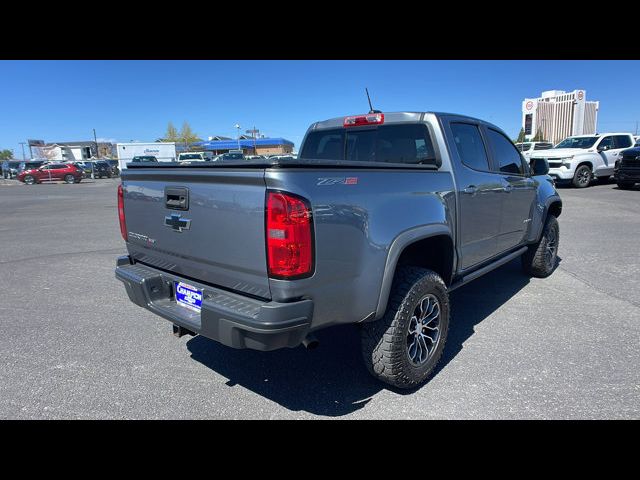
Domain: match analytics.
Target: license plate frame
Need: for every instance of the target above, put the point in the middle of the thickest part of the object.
(187, 296)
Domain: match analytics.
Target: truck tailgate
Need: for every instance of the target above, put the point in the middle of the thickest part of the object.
(214, 235)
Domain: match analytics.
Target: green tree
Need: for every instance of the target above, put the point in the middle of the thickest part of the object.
(171, 135)
(6, 154)
(521, 136)
(187, 136)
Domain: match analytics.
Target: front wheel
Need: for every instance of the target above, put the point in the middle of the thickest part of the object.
(69, 179)
(541, 258)
(404, 347)
(582, 177)
(29, 180)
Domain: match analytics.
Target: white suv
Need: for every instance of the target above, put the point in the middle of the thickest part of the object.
(527, 148)
(582, 158)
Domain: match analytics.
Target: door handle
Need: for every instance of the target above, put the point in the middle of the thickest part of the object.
(470, 190)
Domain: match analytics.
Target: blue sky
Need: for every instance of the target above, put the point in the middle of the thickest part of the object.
(134, 100)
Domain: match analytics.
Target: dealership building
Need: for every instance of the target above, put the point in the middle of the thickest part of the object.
(558, 114)
(249, 145)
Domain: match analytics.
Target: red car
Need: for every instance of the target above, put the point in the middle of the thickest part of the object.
(52, 172)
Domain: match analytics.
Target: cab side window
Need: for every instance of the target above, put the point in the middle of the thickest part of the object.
(506, 154)
(470, 146)
(622, 141)
(606, 143)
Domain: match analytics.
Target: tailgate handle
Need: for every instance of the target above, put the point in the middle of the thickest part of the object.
(177, 198)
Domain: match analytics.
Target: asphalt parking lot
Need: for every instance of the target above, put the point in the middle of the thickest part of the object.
(74, 346)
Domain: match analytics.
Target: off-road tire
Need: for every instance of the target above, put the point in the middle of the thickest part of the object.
(384, 342)
(625, 185)
(579, 177)
(535, 262)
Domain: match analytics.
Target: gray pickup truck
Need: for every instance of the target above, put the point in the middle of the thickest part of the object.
(376, 221)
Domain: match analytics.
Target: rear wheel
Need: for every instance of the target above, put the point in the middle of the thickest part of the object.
(403, 347)
(541, 258)
(582, 177)
(625, 185)
(29, 180)
(69, 179)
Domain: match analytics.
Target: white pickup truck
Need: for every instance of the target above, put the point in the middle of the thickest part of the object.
(582, 158)
(527, 148)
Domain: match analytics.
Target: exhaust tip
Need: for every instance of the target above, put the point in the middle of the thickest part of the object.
(310, 342)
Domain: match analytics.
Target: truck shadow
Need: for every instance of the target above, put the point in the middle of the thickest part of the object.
(475, 301)
(332, 380)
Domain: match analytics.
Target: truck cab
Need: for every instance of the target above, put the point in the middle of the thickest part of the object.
(195, 157)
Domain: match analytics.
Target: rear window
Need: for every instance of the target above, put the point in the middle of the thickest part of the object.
(190, 156)
(542, 146)
(406, 143)
(232, 156)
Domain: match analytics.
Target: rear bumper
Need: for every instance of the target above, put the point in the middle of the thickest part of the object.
(627, 176)
(231, 319)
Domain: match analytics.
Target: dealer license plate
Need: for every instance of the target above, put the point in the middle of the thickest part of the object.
(188, 296)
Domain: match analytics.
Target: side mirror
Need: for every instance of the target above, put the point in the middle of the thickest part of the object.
(539, 166)
(604, 148)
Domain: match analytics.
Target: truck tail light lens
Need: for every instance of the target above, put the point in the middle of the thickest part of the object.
(369, 119)
(289, 236)
(123, 225)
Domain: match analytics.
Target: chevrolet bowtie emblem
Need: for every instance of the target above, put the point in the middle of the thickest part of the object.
(177, 223)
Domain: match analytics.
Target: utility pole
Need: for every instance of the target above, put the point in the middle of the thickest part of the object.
(238, 127)
(22, 144)
(96, 140)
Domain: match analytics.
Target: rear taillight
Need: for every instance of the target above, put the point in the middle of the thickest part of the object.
(369, 119)
(289, 236)
(123, 225)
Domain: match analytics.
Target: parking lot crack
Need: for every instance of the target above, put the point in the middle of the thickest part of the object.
(20, 260)
(580, 279)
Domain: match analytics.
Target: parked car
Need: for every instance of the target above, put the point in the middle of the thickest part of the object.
(31, 164)
(144, 158)
(195, 157)
(231, 156)
(527, 148)
(86, 167)
(627, 171)
(115, 167)
(101, 168)
(392, 212)
(582, 158)
(52, 172)
(13, 169)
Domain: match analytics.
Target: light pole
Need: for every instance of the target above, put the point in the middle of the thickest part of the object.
(238, 127)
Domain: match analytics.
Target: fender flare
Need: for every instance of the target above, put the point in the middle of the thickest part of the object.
(395, 250)
(552, 199)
